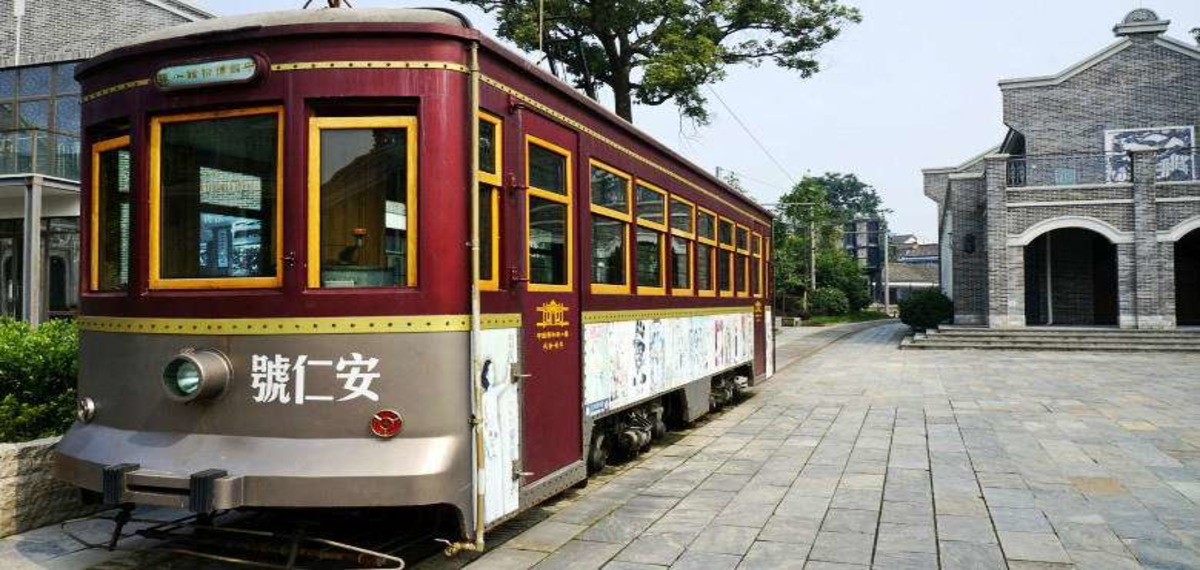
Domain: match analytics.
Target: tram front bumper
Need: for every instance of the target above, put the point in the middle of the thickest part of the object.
(205, 472)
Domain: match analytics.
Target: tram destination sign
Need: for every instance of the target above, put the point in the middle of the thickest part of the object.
(207, 73)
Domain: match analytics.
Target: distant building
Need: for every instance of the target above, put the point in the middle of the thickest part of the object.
(863, 239)
(905, 278)
(40, 44)
(1088, 213)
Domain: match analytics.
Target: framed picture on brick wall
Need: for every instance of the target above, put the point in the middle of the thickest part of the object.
(1175, 146)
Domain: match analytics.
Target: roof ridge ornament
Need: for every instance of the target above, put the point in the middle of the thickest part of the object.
(1141, 21)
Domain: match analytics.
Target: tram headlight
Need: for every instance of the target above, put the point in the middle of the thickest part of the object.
(196, 375)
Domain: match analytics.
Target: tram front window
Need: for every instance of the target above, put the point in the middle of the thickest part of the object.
(219, 186)
(367, 190)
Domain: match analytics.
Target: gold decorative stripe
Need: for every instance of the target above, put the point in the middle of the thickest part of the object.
(615, 145)
(115, 89)
(309, 65)
(297, 325)
(592, 317)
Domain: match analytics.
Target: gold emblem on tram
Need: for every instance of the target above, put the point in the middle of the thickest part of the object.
(553, 316)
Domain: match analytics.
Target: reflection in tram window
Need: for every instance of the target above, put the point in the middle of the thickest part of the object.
(111, 194)
(364, 207)
(547, 242)
(219, 181)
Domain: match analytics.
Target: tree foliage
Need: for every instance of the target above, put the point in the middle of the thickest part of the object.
(653, 52)
(821, 205)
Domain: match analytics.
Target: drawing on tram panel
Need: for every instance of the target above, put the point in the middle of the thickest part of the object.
(625, 362)
(502, 421)
(769, 330)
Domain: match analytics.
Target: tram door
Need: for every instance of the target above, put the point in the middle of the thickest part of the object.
(551, 321)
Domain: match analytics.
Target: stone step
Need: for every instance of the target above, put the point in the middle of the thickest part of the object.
(1065, 335)
(1037, 343)
(1066, 331)
(920, 345)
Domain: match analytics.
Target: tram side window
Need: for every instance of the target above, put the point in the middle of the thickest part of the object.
(490, 159)
(364, 202)
(610, 191)
(651, 206)
(112, 215)
(682, 232)
(741, 273)
(725, 257)
(756, 266)
(549, 232)
(706, 237)
(215, 206)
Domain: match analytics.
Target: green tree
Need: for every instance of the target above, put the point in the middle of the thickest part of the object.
(652, 52)
(848, 196)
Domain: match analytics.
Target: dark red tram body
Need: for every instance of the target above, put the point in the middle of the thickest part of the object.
(280, 214)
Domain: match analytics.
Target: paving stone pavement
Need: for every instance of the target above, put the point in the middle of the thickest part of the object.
(860, 455)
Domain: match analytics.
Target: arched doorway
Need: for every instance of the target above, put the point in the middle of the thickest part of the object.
(1187, 279)
(1071, 279)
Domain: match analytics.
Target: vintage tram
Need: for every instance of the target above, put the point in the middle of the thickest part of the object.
(350, 258)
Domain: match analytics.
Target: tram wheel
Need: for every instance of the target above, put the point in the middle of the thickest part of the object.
(598, 452)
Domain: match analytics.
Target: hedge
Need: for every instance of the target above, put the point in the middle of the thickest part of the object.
(38, 371)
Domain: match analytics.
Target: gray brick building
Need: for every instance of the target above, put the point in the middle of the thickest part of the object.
(1088, 212)
(41, 41)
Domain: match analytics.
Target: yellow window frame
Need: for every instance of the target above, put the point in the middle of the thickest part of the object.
(661, 288)
(691, 206)
(485, 177)
(757, 238)
(691, 253)
(99, 148)
(315, 126)
(535, 192)
(745, 290)
(727, 250)
(716, 221)
(740, 228)
(626, 218)
(494, 182)
(662, 194)
(155, 204)
(711, 291)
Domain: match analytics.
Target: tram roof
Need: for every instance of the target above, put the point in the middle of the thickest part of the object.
(303, 17)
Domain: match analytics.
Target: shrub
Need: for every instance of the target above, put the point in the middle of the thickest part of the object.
(38, 371)
(926, 309)
(829, 301)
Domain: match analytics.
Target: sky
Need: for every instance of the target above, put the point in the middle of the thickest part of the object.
(913, 86)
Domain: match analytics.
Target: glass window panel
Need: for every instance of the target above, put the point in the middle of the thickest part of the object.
(218, 198)
(609, 190)
(756, 278)
(66, 114)
(681, 216)
(739, 274)
(756, 245)
(547, 242)
(723, 271)
(704, 267)
(743, 239)
(35, 81)
(364, 207)
(608, 251)
(681, 263)
(34, 114)
(547, 170)
(726, 232)
(706, 225)
(649, 258)
(64, 78)
(8, 83)
(114, 225)
(8, 116)
(487, 147)
(486, 232)
(650, 205)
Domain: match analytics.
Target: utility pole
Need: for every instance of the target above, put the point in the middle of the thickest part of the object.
(887, 287)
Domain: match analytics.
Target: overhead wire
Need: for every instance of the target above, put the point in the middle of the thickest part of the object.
(751, 134)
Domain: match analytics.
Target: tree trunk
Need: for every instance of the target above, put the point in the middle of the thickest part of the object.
(622, 93)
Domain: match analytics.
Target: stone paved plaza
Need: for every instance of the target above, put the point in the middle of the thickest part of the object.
(862, 455)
